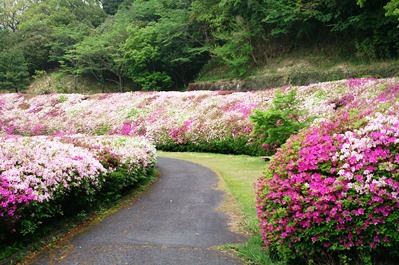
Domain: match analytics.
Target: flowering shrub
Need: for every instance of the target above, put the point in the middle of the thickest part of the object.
(126, 159)
(198, 120)
(38, 174)
(331, 192)
(134, 154)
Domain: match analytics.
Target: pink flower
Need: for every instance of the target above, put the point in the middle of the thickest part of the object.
(315, 238)
(327, 244)
(359, 211)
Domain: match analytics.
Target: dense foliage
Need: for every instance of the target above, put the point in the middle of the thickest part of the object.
(45, 177)
(281, 120)
(164, 44)
(13, 70)
(331, 192)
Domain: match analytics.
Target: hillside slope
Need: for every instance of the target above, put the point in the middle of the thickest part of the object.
(297, 70)
(294, 70)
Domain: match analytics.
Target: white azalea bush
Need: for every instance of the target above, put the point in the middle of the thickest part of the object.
(42, 177)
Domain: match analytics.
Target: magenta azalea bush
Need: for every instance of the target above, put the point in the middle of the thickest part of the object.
(40, 173)
(332, 191)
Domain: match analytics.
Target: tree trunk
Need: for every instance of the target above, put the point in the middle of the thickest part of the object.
(75, 83)
(121, 88)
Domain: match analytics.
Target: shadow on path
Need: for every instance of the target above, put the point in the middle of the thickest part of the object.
(175, 222)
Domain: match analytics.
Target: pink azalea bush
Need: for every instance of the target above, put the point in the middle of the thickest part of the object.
(135, 154)
(332, 191)
(126, 159)
(198, 120)
(38, 173)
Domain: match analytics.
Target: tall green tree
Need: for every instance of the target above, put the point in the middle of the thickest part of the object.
(63, 12)
(71, 65)
(11, 12)
(7, 39)
(163, 48)
(93, 58)
(64, 37)
(100, 54)
(231, 29)
(51, 27)
(34, 45)
(13, 70)
(112, 36)
(377, 35)
(143, 57)
(111, 6)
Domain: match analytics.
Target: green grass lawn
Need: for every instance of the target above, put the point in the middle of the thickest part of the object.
(237, 174)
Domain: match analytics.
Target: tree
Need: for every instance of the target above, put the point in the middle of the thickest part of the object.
(53, 13)
(11, 12)
(376, 30)
(13, 70)
(64, 37)
(93, 57)
(180, 42)
(70, 64)
(143, 55)
(111, 6)
(392, 8)
(231, 28)
(7, 39)
(50, 28)
(33, 42)
(235, 49)
(164, 48)
(113, 34)
(117, 65)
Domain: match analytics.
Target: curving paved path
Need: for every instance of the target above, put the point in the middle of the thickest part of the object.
(175, 222)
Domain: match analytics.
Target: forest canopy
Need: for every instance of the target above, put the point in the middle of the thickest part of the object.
(164, 44)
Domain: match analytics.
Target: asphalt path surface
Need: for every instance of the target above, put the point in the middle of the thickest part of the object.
(175, 222)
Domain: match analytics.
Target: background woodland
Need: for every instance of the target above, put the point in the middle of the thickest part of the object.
(166, 44)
